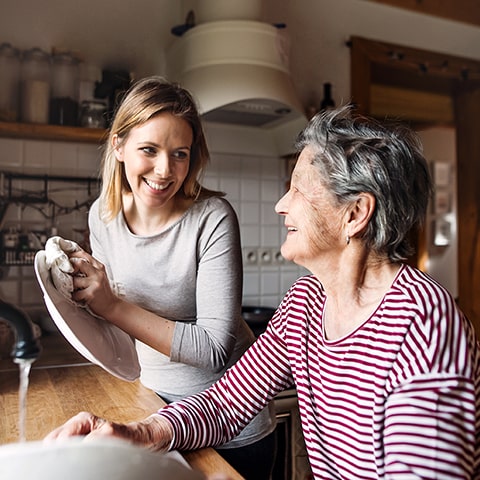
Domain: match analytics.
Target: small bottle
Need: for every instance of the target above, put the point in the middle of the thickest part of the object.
(327, 101)
(35, 86)
(9, 82)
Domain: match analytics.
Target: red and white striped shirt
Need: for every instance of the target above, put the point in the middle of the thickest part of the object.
(397, 398)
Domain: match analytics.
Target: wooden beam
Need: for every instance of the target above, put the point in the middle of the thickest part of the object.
(465, 11)
(412, 105)
(413, 60)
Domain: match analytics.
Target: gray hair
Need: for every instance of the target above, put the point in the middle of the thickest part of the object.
(357, 155)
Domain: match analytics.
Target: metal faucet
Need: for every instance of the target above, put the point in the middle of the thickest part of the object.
(26, 345)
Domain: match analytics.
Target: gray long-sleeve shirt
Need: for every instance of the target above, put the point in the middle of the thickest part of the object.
(190, 273)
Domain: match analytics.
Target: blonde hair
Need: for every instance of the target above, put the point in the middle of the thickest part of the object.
(143, 101)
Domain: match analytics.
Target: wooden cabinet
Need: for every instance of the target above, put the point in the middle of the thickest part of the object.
(52, 132)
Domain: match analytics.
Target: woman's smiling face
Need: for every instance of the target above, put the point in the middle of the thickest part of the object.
(156, 157)
(312, 217)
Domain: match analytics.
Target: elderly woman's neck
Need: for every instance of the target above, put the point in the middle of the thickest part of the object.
(353, 296)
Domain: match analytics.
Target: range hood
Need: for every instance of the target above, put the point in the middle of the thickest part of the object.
(238, 72)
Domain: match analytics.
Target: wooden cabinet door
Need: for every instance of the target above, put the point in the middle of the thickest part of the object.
(467, 114)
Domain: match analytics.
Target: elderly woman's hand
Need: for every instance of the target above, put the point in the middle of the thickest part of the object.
(154, 432)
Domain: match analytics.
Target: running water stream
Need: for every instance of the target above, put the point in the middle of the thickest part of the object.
(24, 366)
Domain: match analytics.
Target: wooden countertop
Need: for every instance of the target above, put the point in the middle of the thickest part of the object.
(57, 393)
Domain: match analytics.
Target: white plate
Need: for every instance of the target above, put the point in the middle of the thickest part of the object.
(99, 341)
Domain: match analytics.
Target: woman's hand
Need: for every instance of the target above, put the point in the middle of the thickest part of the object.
(92, 288)
(154, 432)
(91, 285)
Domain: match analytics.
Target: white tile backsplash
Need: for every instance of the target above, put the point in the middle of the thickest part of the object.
(252, 183)
(269, 190)
(64, 157)
(250, 235)
(251, 167)
(11, 153)
(89, 159)
(251, 284)
(230, 185)
(250, 213)
(267, 213)
(270, 283)
(249, 189)
(257, 182)
(269, 236)
(37, 156)
(211, 183)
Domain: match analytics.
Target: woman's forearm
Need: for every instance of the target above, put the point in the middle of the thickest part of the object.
(145, 326)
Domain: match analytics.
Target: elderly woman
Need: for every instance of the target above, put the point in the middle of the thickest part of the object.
(385, 364)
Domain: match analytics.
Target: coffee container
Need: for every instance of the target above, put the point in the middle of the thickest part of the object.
(9, 83)
(35, 86)
(64, 93)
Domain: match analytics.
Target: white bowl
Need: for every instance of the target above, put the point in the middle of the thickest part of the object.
(76, 459)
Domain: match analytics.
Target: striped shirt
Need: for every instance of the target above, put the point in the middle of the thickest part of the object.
(397, 398)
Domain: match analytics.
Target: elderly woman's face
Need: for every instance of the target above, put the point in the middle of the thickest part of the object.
(312, 218)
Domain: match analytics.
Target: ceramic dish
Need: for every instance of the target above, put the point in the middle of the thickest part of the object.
(97, 340)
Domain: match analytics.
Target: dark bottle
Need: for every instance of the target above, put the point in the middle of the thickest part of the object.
(327, 101)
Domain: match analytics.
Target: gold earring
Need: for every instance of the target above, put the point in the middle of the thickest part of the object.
(348, 239)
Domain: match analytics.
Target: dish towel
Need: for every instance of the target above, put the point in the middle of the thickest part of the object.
(57, 261)
(61, 269)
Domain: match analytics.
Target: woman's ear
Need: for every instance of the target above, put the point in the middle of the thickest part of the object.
(360, 214)
(117, 148)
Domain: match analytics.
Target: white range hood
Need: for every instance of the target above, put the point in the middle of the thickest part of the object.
(239, 74)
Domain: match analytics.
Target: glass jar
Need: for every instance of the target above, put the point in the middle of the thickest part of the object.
(64, 94)
(35, 86)
(89, 76)
(9, 83)
(92, 114)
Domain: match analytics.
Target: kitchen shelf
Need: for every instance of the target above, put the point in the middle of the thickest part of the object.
(52, 132)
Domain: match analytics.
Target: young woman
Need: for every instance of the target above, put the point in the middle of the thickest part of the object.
(166, 259)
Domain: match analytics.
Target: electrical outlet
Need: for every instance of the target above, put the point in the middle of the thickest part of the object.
(264, 256)
(277, 257)
(250, 256)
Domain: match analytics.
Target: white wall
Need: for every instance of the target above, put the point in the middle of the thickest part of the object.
(127, 34)
(134, 34)
(319, 29)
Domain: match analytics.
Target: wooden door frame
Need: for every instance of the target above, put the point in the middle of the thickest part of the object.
(456, 83)
(415, 70)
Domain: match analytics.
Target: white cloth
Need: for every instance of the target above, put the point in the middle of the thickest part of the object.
(58, 262)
